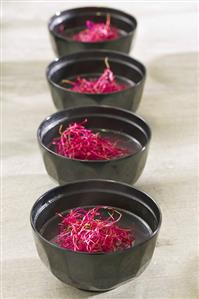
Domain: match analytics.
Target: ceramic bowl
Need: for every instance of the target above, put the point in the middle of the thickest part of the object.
(96, 271)
(127, 129)
(63, 25)
(89, 64)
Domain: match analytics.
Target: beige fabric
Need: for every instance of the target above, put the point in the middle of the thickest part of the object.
(166, 42)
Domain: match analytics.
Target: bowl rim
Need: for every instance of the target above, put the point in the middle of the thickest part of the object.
(91, 181)
(131, 61)
(39, 130)
(63, 12)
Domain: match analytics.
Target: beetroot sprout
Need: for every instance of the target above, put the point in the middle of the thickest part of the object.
(77, 142)
(97, 32)
(94, 230)
(106, 83)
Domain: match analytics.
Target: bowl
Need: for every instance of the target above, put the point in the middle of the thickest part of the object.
(91, 64)
(73, 21)
(122, 126)
(96, 271)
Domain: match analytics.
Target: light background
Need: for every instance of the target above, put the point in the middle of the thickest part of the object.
(166, 43)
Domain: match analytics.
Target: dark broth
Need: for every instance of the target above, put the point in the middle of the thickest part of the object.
(140, 228)
(123, 140)
(94, 76)
(69, 33)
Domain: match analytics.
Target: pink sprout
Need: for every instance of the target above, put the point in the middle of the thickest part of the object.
(106, 83)
(77, 142)
(91, 231)
(97, 32)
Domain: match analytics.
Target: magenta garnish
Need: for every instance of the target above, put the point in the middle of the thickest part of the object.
(77, 142)
(97, 32)
(89, 230)
(106, 83)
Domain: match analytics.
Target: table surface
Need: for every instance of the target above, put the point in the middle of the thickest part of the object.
(166, 43)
